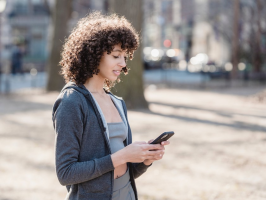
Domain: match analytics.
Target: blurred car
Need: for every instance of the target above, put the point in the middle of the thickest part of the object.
(160, 58)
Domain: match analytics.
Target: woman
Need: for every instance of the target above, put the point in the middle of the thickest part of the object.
(95, 156)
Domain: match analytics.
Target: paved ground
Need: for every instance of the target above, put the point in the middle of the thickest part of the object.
(218, 152)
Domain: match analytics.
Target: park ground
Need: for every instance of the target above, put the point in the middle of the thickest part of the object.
(217, 153)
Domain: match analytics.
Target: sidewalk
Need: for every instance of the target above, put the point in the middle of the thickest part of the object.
(217, 153)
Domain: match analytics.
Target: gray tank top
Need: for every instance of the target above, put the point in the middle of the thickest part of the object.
(117, 135)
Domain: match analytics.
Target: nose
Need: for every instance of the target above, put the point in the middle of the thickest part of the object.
(122, 64)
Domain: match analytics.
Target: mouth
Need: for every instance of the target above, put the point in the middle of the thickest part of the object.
(116, 72)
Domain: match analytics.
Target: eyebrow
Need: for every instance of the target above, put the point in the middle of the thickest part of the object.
(117, 50)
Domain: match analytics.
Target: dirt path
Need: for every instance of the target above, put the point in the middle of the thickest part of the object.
(218, 151)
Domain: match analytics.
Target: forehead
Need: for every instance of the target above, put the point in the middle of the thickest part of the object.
(117, 48)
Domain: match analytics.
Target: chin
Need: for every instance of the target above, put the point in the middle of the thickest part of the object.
(112, 79)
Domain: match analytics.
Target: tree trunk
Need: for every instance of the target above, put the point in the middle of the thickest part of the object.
(131, 85)
(235, 43)
(61, 15)
(257, 60)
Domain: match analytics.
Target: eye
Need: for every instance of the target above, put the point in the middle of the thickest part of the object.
(116, 56)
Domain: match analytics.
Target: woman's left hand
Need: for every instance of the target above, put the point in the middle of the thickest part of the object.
(149, 162)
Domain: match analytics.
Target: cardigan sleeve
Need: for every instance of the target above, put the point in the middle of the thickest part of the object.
(139, 169)
(68, 124)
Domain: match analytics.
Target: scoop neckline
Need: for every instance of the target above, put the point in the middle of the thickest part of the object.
(115, 122)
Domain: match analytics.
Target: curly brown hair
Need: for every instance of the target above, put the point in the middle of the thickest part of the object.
(94, 35)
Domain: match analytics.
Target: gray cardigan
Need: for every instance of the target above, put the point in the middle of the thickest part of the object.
(82, 149)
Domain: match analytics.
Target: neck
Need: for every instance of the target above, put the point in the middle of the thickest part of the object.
(95, 84)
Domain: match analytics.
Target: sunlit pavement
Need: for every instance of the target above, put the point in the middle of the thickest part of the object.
(218, 151)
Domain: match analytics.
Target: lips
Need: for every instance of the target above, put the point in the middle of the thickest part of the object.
(116, 72)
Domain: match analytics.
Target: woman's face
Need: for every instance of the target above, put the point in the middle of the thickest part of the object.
(111, 64)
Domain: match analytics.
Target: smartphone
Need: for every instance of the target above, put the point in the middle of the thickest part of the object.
(163, 137)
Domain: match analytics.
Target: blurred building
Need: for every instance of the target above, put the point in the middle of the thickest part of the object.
(207, 27)
(168, 20)
(28, 22)
(161, 18)
(213, 29)
(25, 22)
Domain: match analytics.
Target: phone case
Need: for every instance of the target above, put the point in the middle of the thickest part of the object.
(163, 137)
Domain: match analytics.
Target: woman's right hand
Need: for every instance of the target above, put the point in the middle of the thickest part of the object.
(137, 152)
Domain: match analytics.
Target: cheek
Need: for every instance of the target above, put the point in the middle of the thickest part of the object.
(106, 67)
(108, 62)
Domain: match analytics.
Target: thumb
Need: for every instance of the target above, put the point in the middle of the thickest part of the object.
(140, 142)
(150, 141)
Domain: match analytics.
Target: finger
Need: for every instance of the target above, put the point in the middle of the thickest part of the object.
(157, 157)
(150, 141)
(162, 148)
(154, 157)
(155, 153)
(165, 143)
(154, 147)
(140, 142)
(160, 156)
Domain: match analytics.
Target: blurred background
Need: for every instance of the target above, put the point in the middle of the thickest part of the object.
(191, 42)
(200, 71)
